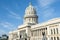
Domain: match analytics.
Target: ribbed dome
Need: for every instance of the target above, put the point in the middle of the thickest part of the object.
(30, 15)
(30, 10)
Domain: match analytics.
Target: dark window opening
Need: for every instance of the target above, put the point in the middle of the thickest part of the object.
(43, 33)
(20, 36)
(25, 38)
(57, 38)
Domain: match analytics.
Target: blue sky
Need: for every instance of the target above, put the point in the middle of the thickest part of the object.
(12, 12)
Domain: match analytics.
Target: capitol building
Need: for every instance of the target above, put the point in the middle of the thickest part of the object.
(32, 30)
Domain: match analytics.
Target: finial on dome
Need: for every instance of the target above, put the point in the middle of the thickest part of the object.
(30, 3)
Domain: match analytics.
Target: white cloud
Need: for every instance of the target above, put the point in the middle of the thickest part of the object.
(13, 14)
(17, 6)
(49, 13)
(44, 3)
(46, 11)
(7, 25)
(37, 8)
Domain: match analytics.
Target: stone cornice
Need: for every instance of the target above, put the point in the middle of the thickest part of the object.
(50, 22)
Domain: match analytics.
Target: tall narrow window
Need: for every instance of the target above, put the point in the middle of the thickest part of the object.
(51, 38)
(54, 38)
(54, 31)
(32, 34)
(57, 30)
(20, 36)
(51, 31)
(32, 19)
(57, 38)
(29, 19)
(25, 38)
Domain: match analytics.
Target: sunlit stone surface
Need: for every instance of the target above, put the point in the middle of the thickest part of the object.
(32, 30)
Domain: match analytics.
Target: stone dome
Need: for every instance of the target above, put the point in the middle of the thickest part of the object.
(30, 16)
(30, 10)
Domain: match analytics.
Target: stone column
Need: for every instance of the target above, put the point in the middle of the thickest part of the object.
(10, 36)
(28, 32)
(48, 38)
(48, 33)
(18, 35)
(59, 29)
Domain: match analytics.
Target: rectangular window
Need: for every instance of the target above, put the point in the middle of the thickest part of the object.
(32, 34)
(54, 38)
(51, 31)
(54, 31)
(57, 38)
(57, 30)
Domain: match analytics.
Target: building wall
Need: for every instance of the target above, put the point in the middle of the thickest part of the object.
(36, 33)
(52, 32)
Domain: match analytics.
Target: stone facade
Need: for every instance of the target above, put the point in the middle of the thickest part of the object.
(31, 30)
